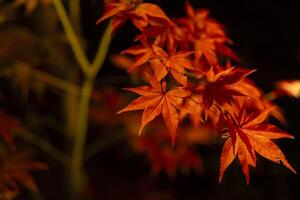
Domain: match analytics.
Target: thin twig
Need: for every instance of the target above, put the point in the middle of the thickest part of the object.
(102, 50)
(101, 144)
(75, 15)
(44, 145)
(54, 81)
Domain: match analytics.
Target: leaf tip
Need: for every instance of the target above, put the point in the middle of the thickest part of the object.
(140, 131)
(220, 179)
(120, 111)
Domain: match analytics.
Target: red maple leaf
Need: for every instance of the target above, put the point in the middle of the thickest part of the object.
(175, 63)
(205, 35)
(193, 109)
(161, 62)
(249, 133)
(156, 100)
(141, 14)
(222, 86)
(144, 53)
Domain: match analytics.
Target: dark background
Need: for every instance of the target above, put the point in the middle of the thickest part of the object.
(266, 34)
(267, 37)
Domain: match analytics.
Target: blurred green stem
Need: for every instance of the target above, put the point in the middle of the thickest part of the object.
(102, 144)
(72, 37)
(102, 50)
(90, 70)
(77, 174)
(45, 146)
(74, 10)
(48, 79)
(54, 81)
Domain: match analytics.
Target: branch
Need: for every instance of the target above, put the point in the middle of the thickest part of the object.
(54, 81)
(102, 50)
(44, 145)
(72, 37)
(101, 144)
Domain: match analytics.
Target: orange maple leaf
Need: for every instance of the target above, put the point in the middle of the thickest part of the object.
(161, 62)
(193, 109)
(175, 63)
(205, 35)
(156, 100)
(141, 14)
(221, 86)
(249, 134)
(143, 53)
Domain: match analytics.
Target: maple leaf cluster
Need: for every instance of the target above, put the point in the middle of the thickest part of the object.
(15, 169)
(155, 146)
(154, 143)
(15, 164)
(186, 64)
(163, 157)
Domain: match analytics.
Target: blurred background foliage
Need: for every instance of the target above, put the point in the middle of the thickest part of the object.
(40, 83)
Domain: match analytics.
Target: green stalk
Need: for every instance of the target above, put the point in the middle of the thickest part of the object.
(77, 176)
(44, 145)
(102, 50)
(72, 37)
(55, 81)
(74, 10)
